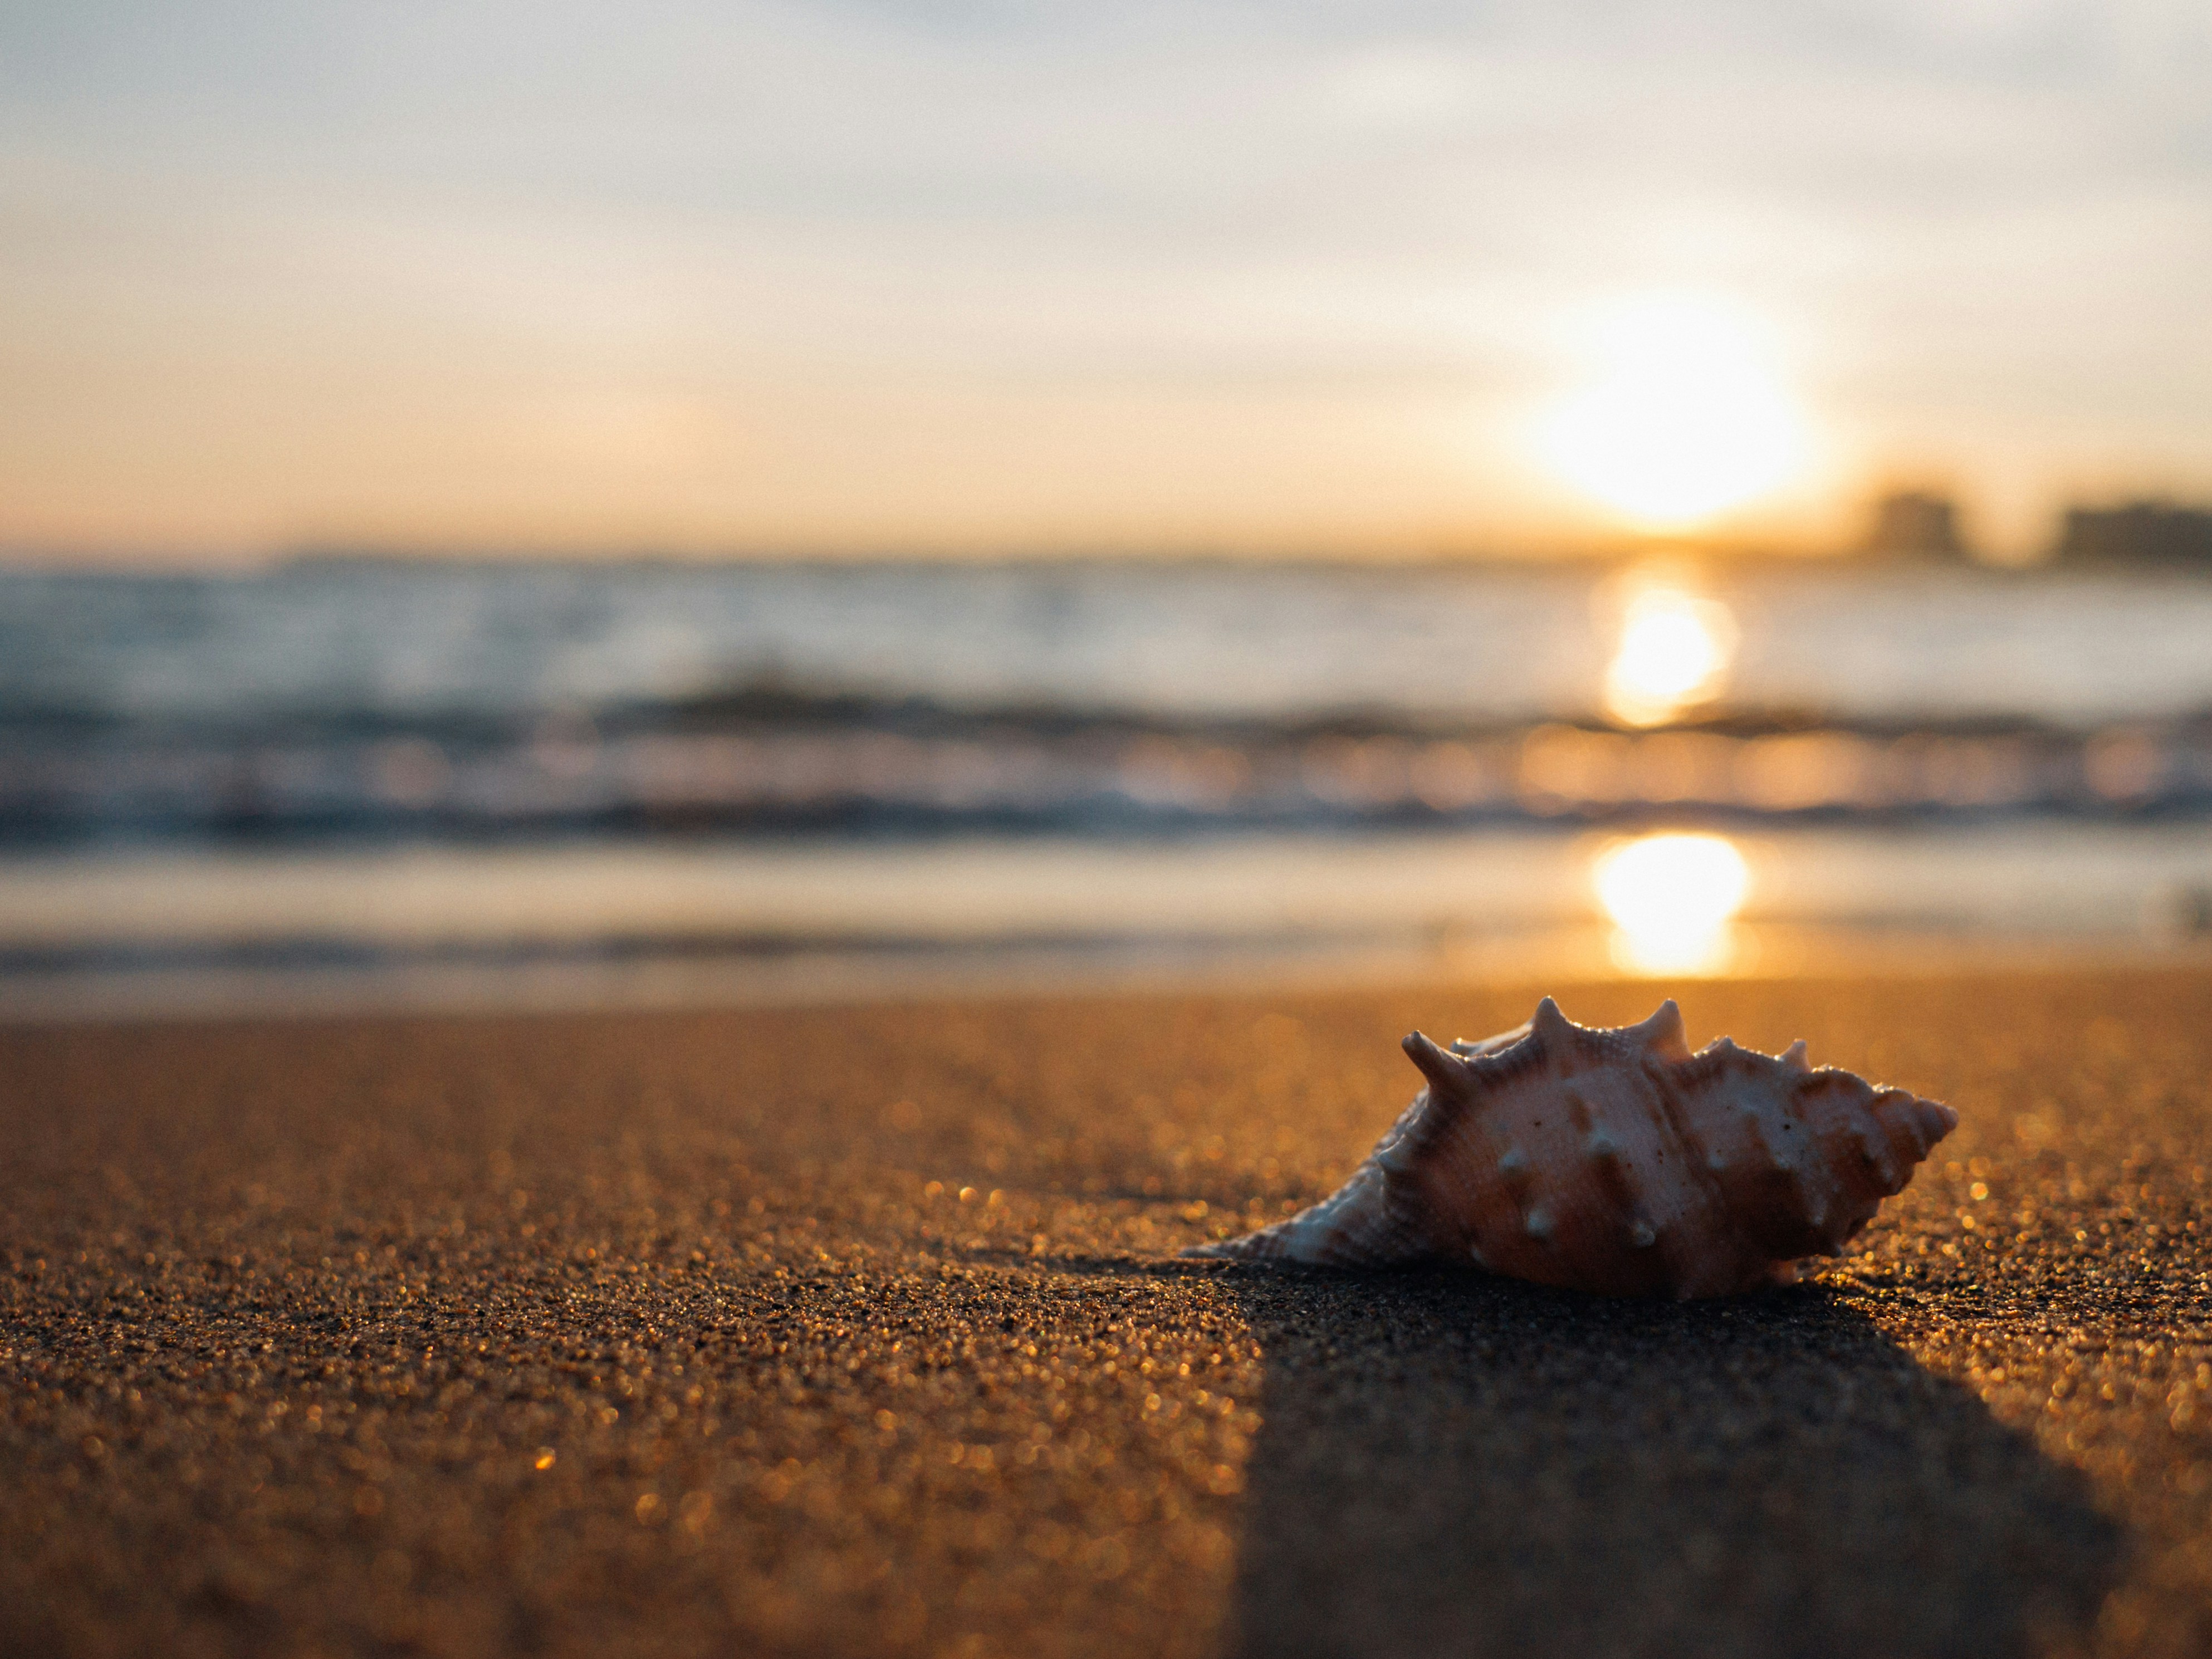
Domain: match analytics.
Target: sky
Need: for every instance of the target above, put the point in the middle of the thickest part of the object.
(966, 277)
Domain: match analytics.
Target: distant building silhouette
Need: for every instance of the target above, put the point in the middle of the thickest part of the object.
(2141, 533)
(1915, 521)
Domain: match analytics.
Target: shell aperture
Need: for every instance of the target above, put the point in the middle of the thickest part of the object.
(1616, 1161)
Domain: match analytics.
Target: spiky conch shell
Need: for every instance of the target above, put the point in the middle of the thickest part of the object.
(1616, 1161)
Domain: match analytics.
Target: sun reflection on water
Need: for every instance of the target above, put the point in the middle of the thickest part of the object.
(1673, 899)
(1674, 651)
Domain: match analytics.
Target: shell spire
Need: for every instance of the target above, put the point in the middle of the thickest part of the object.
(1616, 1161)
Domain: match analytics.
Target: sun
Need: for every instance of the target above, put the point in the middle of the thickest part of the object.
(1682, 413)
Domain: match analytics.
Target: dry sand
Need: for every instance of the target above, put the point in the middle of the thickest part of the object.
(859, 1332)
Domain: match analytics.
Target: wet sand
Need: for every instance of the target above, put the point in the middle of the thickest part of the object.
(859, 1332)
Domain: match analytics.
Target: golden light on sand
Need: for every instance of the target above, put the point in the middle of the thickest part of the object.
(1672, 899)
(1674, 651)
(1683, 415)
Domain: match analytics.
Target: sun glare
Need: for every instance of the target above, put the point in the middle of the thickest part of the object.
(1672, 899)
(1683, 415)
(1674, 651)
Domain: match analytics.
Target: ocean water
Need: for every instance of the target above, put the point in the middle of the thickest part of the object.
(349, 762)
(365, 700)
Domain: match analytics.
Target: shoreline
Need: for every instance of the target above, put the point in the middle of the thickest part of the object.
(812, 975)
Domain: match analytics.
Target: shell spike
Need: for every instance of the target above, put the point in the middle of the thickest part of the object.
(1663, 1034)
(1550, 1025)
(1443, 1071)
(1796, 1058)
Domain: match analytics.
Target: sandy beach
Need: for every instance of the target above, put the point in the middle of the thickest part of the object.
(860, 1330)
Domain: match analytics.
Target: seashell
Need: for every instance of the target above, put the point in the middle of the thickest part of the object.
(1616, 1161)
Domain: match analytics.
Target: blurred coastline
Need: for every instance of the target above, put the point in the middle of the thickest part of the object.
(360, 771)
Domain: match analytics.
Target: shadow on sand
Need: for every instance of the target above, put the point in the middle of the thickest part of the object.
(1450, 1465)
